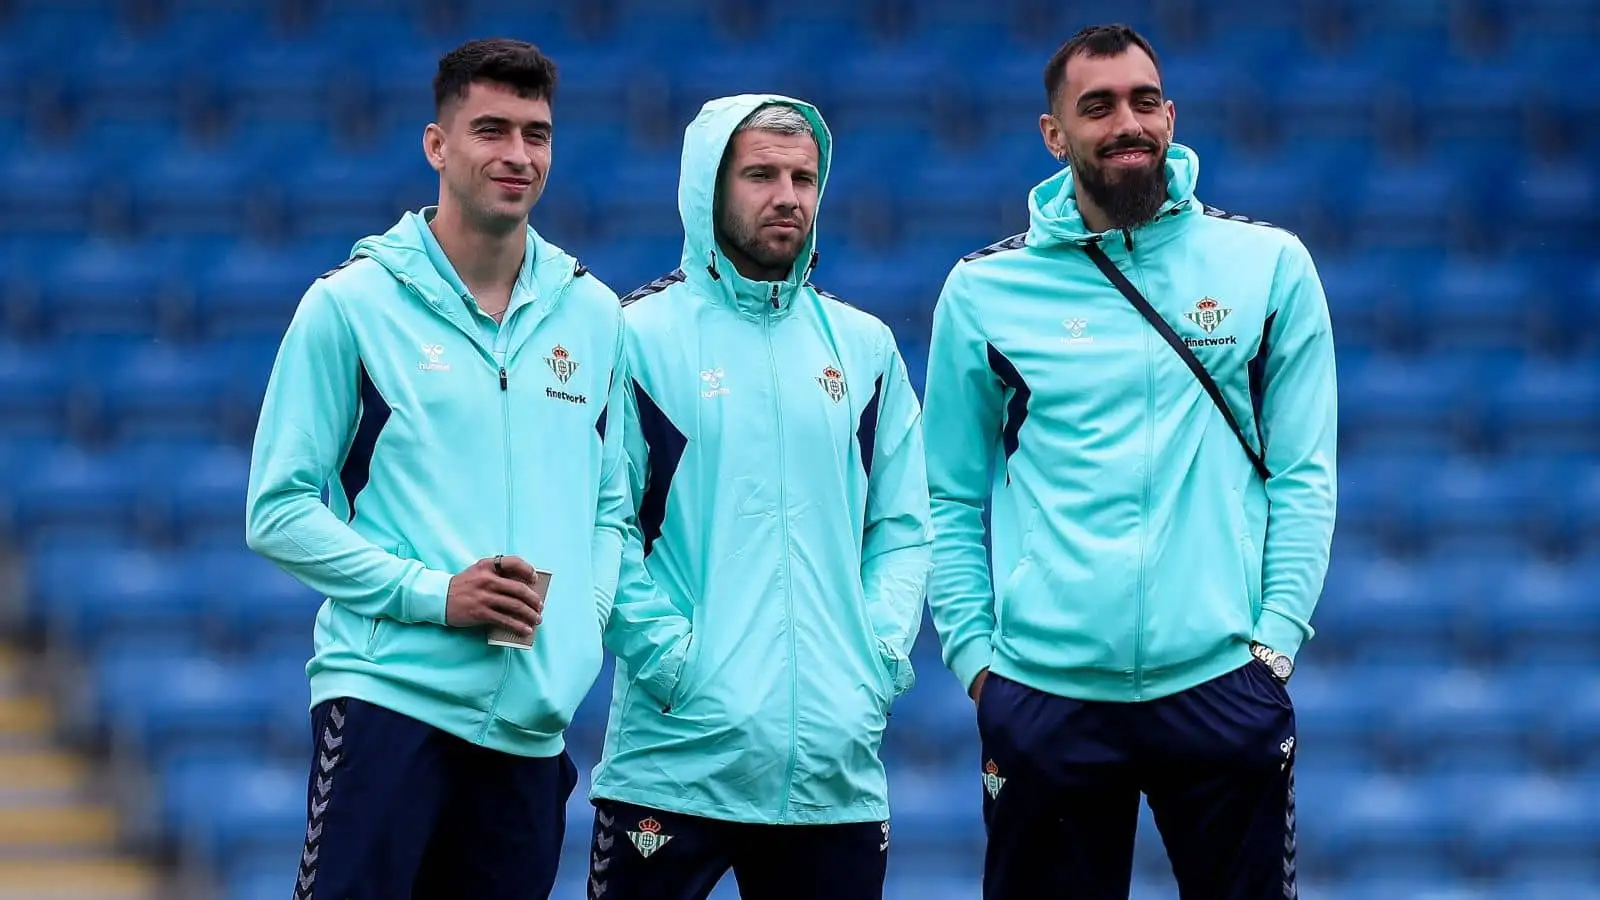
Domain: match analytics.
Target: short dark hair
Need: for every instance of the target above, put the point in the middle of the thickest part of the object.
(516, 64)
(1094, 41)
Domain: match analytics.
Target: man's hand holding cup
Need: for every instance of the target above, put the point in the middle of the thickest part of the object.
(505, 593)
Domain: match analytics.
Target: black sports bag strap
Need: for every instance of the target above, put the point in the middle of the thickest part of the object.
(1121, 282)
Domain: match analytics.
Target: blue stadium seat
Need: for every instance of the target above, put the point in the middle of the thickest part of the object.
(1395, 405)
(48, 186)
(249, 598)
(1486, 304)
(1546, 610)
(1537, 816)
(253, 288)
(121, 288)
(35, 389)
(162, 388)
(75, 487)
(1464, 714)
(122, 595)
(225, 807)
(1370, 601)
(209, 496)
(937, 808)
(1547, 405)
(190, 187)
(169, 702)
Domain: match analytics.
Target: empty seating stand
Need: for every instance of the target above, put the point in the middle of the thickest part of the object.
(162, 208)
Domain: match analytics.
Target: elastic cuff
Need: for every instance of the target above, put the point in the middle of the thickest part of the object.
(1279, 632)
(425, 601)
(972, 658)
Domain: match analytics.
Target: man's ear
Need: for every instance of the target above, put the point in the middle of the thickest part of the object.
(433, 146)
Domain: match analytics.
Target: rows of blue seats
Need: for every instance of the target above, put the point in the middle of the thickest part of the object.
(168, 479)
(1534, 422)
(158, 695)
(210, 723)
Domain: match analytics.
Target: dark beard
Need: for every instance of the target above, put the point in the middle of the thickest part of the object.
(734, 236)
(1133, 199)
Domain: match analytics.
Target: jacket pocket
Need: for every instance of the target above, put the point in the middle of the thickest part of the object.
(378, 627)
(373, 634)
(1251, 561)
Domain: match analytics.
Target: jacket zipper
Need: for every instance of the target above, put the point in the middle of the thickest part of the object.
(505, 658)
(788, 593)
(1144, 494)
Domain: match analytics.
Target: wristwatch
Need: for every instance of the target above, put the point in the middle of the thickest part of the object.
(1279, 664)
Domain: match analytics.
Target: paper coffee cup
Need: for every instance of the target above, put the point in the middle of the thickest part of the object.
(501, 637)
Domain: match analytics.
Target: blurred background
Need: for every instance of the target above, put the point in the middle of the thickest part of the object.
(174, 173)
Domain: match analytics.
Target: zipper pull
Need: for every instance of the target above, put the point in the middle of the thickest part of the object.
(774, 296)
(502, 378)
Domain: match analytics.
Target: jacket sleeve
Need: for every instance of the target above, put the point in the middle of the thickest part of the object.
(1299, 427)
(307, 425)
(897, 535)
(614, 506)
(962, 413)
(645, 630)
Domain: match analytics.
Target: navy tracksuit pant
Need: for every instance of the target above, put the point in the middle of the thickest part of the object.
(638, 853)
(398, 809)
(1062, 780)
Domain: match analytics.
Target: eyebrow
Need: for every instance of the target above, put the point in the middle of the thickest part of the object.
(768, 167)
(484, 121)
(1143, 90)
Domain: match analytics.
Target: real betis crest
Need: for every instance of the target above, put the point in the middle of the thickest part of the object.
(992, 782)
(832, 381)
(1208, 314)
(561, 363)
(648, 839)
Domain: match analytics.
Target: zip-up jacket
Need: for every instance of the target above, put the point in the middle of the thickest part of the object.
(775, 450)
(441, 439)
(1136, 551)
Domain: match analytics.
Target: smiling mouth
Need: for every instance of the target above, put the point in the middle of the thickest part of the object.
(515, 183)
(1128, 154)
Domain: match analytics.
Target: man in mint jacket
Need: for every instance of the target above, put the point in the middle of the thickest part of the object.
(775, 450)
(1153, 570)
(454, 389)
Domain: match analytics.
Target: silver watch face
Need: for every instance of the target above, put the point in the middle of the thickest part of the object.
(1282, 666)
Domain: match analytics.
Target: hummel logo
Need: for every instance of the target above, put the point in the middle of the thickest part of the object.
(430, 361)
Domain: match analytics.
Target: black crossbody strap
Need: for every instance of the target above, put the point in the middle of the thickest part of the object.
(1121, 282)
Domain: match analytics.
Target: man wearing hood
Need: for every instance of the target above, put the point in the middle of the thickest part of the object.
(1140, 389)
(452, 387)
(775, 452)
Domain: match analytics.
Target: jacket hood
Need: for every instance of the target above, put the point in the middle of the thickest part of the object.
(704, 143)
(1054, 217)
(547, 270)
